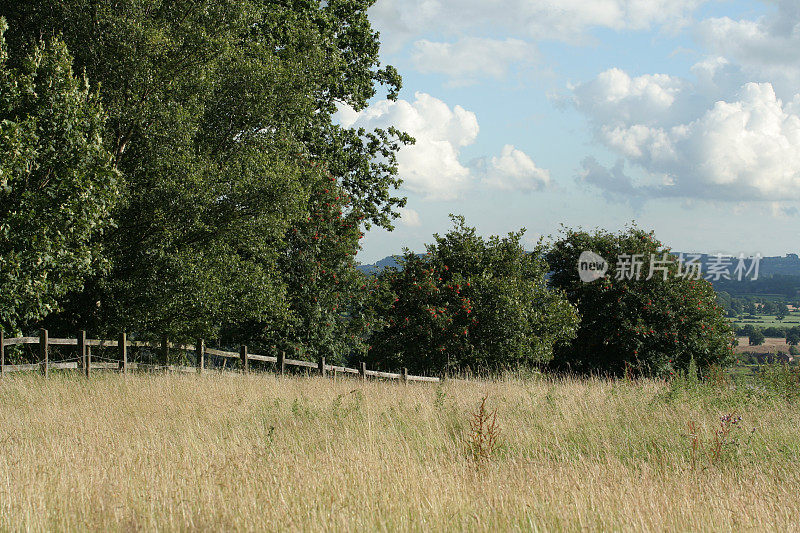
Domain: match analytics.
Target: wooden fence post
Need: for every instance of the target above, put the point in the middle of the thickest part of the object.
(362, 370)
(405, 375)
(322, 366)
(2, 353)
(243, 355)
(43, 352)
(84, 356)
(201, 355)
(123, 352)
(281, 362)
(165, 350)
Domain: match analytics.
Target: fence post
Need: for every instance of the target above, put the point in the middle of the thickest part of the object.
(281, 362)
(322, 366)
(201, 355)
(84, 356)
(405, 375)
(123, 352)
(43, 355)
(243, 355)
(362, 369)
(2, 353)
(165, 351)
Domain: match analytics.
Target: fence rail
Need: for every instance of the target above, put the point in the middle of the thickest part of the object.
(121, 364)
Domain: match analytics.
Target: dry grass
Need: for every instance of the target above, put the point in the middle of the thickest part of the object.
(258, 452)
(771, 345)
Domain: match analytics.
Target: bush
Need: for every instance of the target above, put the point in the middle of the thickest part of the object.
(650, 326)
(774, 332)
(757, 338)
(793, 336)
(469, 303)
(745, 331)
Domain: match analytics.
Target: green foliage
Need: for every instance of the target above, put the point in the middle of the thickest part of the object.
(793, 336)
(651, 326)
(782, 380)
(468, 303)
(746, 331)
(325, 292)
(57, 184)
(243, 196)
(756, 338)
(775, 333)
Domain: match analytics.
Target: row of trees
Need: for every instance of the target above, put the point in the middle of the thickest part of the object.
(475, 303)
(737, 306)
(174, 168)
(769, 283)
(757, 336)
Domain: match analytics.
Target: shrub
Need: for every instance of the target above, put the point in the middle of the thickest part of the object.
(469, 303)
(653, 326)
(793, 336)
(757, 338)
(774, 332)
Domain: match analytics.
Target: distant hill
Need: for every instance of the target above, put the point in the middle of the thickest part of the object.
(787, 266)
(777, 275)
(376, 267)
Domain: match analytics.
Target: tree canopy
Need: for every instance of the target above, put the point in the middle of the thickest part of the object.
(655, 323)
(57, 183)
(220, 122)
(469, 303)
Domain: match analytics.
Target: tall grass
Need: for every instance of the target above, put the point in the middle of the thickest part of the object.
(260, 452)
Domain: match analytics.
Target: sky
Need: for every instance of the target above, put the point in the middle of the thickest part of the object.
(680, 115)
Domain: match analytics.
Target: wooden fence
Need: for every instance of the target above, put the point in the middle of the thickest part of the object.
(83, 360)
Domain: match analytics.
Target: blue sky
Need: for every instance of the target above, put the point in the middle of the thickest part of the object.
(683, 115)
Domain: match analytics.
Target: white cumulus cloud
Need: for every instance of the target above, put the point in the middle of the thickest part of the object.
(512, 170)
(746, 147)
(401, 21)
(471, 57)
(768, 46)
(409, 217)
(431, 167)
(615, 96)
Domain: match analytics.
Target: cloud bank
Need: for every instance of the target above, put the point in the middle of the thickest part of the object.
(743, 148)
(432, 166)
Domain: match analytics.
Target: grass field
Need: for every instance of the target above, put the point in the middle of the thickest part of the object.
(763, 321)
(258, 452)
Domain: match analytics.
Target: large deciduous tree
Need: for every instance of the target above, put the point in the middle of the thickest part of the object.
(220, 121)
(57, 183)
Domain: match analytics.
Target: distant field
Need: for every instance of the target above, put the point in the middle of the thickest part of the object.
(771, 345)
(792, 319)
(260, 452)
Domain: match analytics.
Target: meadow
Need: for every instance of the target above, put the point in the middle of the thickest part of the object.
(765, 321)
(264, 452)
